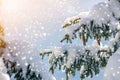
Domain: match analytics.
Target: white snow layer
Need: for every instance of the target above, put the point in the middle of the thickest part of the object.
(112, 71)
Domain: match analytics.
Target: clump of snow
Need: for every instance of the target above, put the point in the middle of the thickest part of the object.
(115, 7)
(82, 69)
(3, 72)
(112, 70)
(58, 51)
(95, 13)
(71, 57)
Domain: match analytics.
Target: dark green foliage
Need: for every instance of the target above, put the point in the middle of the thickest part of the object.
(92, 66)
(94, 31)
(17, 71)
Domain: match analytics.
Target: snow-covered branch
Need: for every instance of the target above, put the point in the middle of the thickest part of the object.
(86, 59)
(73, 58)
(20, 61)
(101, 21)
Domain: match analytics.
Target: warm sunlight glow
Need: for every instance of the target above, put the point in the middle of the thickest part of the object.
(10, 5)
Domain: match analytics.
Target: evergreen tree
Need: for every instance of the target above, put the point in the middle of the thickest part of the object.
(101, 22)
(13, 69)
